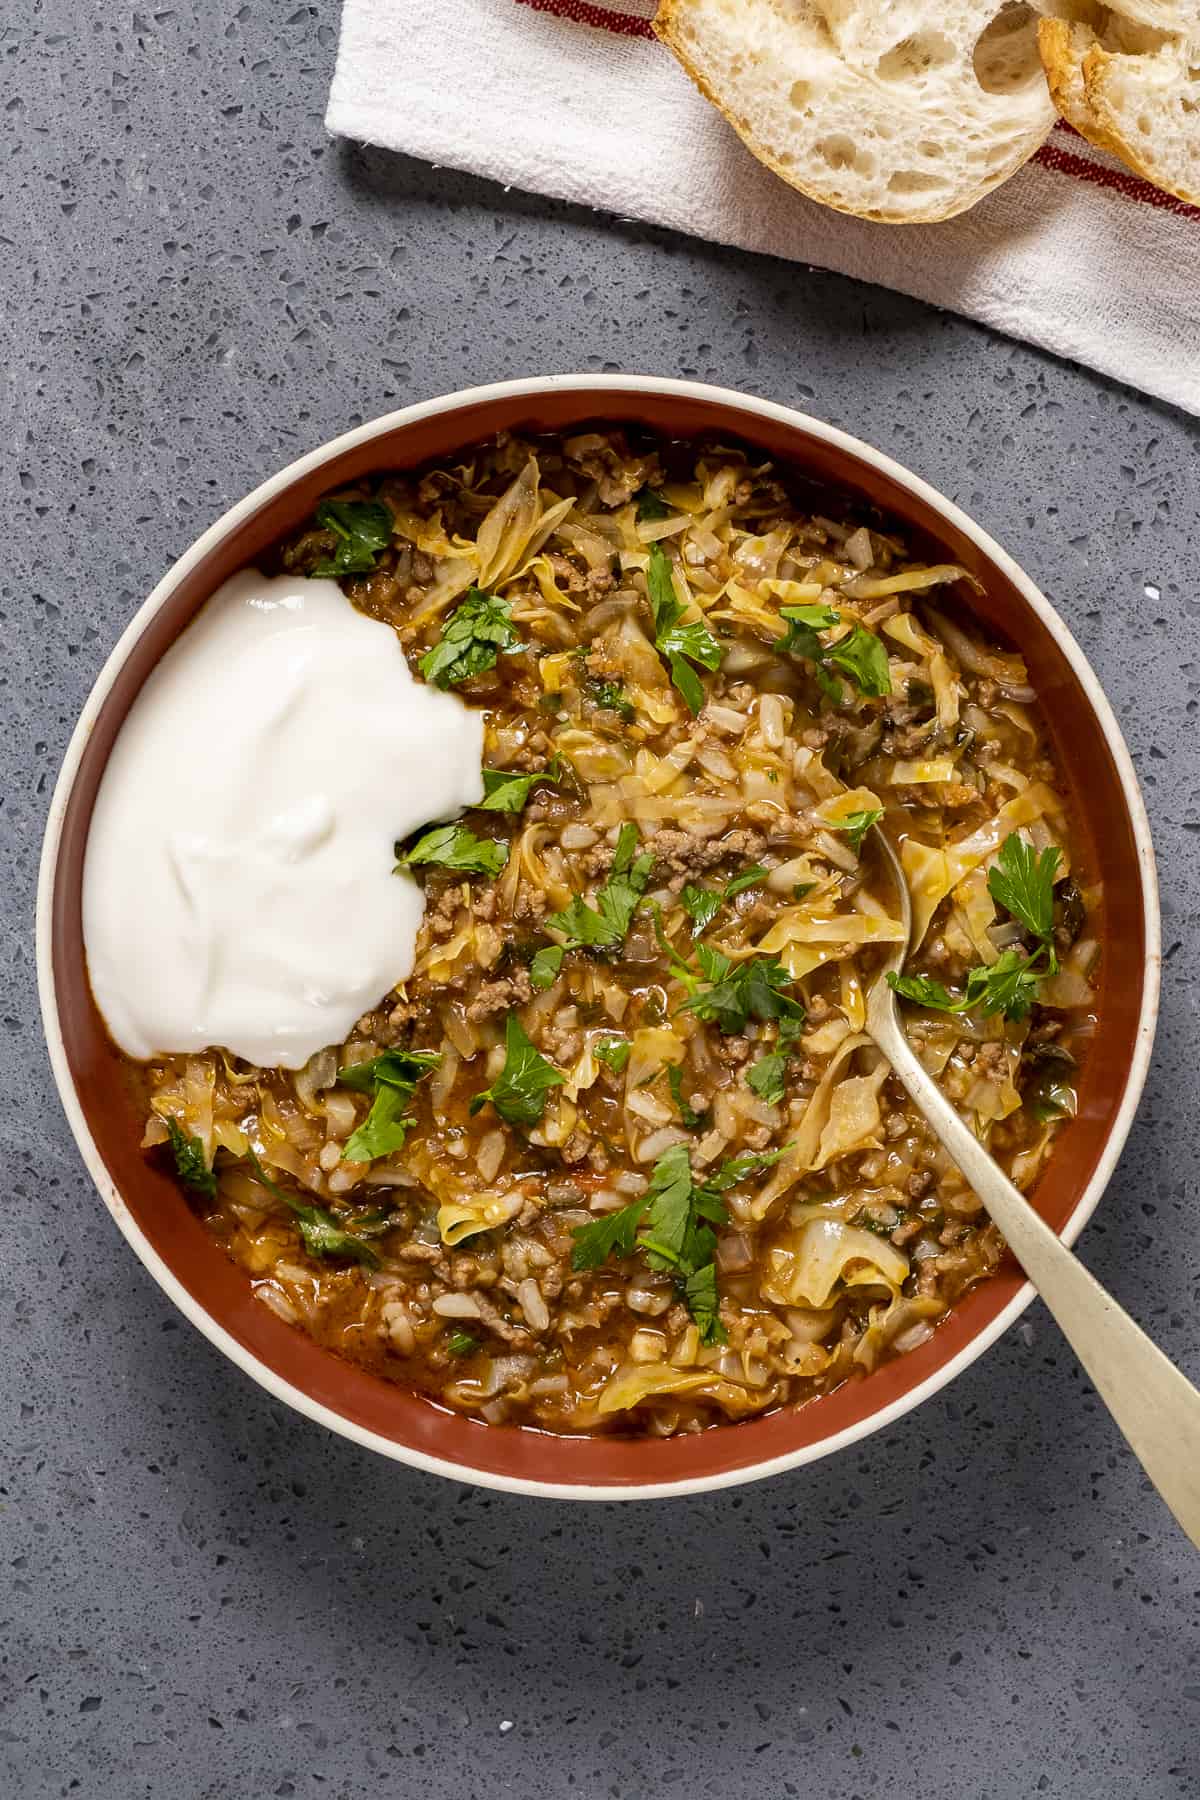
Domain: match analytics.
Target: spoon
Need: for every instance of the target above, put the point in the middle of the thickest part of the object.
(1154, 1404)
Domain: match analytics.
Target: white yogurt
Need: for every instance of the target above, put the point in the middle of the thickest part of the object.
(238, 886)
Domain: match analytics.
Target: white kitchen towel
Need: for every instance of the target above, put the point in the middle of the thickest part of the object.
(580, 101)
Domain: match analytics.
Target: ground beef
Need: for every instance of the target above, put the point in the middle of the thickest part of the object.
(442, 916)
(501, 996)
(568, 575)
(530, 906)
(679, 855)
(608, 462)
(493, 1320)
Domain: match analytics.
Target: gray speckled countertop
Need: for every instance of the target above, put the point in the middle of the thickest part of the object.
(206, 1596)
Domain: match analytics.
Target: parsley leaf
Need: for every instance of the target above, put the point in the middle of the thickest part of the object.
(612, 1235)
(856, 825)
(672, 1221)
(767, 1077)
(475, 634)
(392, 1078)
(923, 990)
(362, 528)
(860, 654)
(454, 847)
(461, 1343)
(615, 1052)
(738, 1168)
(385, 1128)
(752, 990)
(803, 624)
(700, 1298)
(504, 791)
(688, 1114)
(1008, 986)
(394, 1068)
(680, 644)
(520, 1090)
(679, 1214)
(612, 696)
(1022, 882)
(747, 879)
(190, 1164)
(319, 1230)
(606, 925)
(701, 905)
(323, 1236)
(650, 505)
(543, 970)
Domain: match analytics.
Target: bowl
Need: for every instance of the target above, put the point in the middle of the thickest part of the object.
(215, 1295)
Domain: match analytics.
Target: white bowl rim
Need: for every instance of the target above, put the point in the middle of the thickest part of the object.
(587, 385)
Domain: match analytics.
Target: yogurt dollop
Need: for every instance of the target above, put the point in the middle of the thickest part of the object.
(238, 885)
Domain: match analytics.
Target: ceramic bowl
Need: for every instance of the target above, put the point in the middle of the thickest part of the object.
(215, 1295)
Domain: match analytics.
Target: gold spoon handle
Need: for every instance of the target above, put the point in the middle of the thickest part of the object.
(1154, 1404)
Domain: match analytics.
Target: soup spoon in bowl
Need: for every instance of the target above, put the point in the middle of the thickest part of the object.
(1154, 1404)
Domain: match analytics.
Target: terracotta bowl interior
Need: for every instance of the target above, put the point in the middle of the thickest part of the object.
(213, 1282)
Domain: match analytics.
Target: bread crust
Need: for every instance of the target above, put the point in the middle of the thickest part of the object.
(1077, 67)
(669, 25)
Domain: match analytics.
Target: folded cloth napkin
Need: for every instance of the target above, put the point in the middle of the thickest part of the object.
(580, 101)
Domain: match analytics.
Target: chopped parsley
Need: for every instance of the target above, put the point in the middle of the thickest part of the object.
(803, 623)
(1008, 986)
(856, 825)
(476, 632)
(677, 1213)
(606, 925)
(614, 1052)
(650, 505)
(681, 645)
(361, 528)
(923, 990)
(320, 1231)
(612, 696)
(1021, 881)
(747, 879)
(391, 1079)
(693, 1120)
(191, 1165)
(767, 1078)
(544, 969)
(461, 1343)
(737, 993)
(860, 654)
(504, 791)
(454, 847)
(702, 904)
(520, 1090)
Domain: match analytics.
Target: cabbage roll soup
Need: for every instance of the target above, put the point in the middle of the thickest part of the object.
(616, 1154)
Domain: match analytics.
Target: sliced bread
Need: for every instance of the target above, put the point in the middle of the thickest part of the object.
(1132, 87)
(901, 110)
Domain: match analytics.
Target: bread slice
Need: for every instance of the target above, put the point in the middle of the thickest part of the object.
(1133, 88)
(901, 110)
